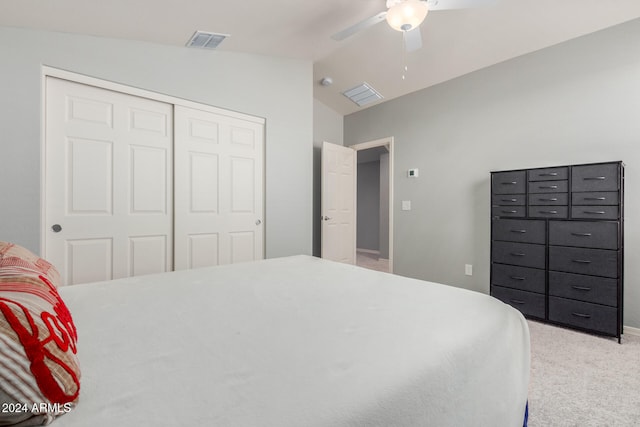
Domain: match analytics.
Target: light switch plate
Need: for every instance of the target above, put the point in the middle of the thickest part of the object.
(468, 269)
(406, 205)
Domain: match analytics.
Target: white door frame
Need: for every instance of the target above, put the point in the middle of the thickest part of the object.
(47, 71)
(383, 142)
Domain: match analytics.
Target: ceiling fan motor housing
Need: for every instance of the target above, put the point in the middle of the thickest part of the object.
(405, 15)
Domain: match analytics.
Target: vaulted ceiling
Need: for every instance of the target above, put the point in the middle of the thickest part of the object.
(455, 42)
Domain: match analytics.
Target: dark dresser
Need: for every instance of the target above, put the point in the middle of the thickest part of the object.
(557, 244)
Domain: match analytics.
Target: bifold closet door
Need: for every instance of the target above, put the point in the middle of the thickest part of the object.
(108, 183)
(218, 189)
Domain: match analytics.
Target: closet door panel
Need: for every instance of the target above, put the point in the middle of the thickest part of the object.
(203, 250)
(219, 189)
(108, 183)
(147, 255)
(204, 186)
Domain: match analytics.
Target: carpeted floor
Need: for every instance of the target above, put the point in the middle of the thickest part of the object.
(372, 261)
(583, 380)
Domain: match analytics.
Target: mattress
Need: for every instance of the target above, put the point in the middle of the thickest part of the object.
(295, 341)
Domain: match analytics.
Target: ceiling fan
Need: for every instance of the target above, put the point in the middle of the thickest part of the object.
(406, 16)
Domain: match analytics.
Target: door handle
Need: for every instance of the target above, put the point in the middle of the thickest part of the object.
(325, 218)
(56, 228)
(258, 222)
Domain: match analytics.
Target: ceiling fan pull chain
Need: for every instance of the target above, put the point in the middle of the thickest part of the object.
(404, 57)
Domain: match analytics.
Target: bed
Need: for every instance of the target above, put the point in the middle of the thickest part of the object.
(294, 341)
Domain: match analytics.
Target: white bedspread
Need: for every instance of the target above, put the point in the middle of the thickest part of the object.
(297, 342)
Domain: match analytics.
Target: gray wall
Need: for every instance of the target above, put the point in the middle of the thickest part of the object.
(278, 89)
(576, 102)
(368, 206)
(327, 126)
(384, 206)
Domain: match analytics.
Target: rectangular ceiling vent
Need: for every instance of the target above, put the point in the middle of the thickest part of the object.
(362, 94)
(206, 40)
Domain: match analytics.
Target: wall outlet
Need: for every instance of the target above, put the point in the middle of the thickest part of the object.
(468, 269)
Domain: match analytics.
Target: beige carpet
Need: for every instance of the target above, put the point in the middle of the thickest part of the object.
(583, 380)
(371, 261)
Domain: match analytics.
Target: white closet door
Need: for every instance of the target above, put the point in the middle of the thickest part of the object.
(218, 189)
(108, 183)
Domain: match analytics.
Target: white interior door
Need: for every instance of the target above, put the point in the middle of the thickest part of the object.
(219, 212)
(338, 203)
(108, 183)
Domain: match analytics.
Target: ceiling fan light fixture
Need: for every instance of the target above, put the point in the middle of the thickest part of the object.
(407, 15)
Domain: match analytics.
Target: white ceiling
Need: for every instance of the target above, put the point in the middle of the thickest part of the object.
(455, 42)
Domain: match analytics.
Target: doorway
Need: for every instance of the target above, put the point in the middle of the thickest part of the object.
(373, 230)
(339, 193)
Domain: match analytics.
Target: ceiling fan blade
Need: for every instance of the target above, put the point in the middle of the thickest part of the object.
(412, 39)
(359, 26)
(458, 4)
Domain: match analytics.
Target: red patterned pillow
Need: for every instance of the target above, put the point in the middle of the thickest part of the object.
(39, 371)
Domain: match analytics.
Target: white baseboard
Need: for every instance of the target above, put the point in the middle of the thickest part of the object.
(631, 331)
(368, 251)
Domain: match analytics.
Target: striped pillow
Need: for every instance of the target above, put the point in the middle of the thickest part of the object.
(39, 371)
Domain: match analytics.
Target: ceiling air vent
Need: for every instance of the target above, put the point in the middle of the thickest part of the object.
(362, 94)
(206, 40)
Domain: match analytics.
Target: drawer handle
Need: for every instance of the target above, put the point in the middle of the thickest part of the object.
(584, 316)
(517, 301)
(581, 261)
(519, 231)
(595, 198)
(549, 174)
(553, 199)
(549, 187)
(516, 277)
(595, 178)
(518, 254)
(549, 212)
(594, 212)
(509, 200)
(509, 183)
(581, 234)
(581, 288)
(508, 212)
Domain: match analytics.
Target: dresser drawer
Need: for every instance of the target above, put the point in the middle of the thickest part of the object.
(528, 303)
(593, 289)
(585, 234)
(594, 212)
(603, 177)
(509, 211)
(548, 211)
(596, 198)
(549, 187)
(523, 278)
(583, 315)
(522, 254)
(508, 182)
(549, 174)
(596, 262)
(549, 199)
(508, 200)
(515, 230)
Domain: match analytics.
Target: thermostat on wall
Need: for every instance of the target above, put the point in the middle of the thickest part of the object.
(412, 173)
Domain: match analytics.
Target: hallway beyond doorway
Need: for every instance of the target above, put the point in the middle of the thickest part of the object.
(372, 261)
